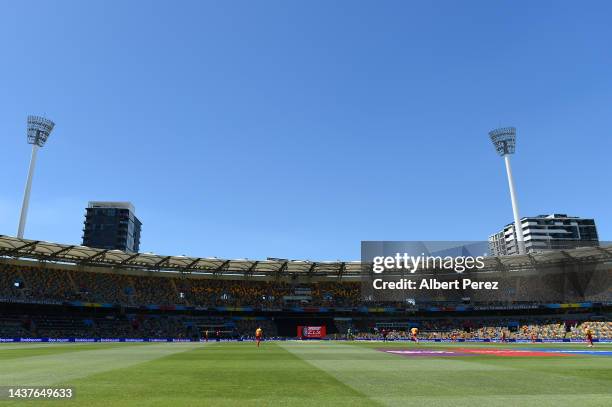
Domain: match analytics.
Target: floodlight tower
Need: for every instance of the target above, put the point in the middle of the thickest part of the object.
(504, 140)
(39, 130)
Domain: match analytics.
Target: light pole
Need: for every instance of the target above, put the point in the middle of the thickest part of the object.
(39, 130)
(504, 140)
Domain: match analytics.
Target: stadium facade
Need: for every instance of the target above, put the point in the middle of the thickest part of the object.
(50, 290)
(112, 226)
(545, 232)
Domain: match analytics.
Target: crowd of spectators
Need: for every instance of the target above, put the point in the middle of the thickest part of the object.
(332, 294)
(492, 329)
(57, 285)
(53, 284)
(235, 293)
(103, 287)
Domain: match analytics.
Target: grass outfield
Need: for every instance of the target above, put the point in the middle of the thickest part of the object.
(306, 373)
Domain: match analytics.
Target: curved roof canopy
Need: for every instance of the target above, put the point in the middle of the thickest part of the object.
(48, 251)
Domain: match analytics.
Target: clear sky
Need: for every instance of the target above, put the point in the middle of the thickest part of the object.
(296, 129)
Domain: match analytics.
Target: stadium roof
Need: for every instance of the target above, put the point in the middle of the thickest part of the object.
(41, 250)
(82, 255)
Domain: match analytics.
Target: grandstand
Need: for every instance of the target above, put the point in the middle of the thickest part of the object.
(54, 290)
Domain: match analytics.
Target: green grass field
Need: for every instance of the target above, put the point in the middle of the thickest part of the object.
(305, 373)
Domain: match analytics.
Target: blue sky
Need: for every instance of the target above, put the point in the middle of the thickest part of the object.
(297, 129)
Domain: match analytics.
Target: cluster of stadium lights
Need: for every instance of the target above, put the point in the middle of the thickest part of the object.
(504, 140)
(39, 129)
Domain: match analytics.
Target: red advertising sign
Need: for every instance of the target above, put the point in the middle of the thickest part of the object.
(311, 332)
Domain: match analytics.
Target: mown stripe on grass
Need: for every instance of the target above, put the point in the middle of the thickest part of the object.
(220, 374)
(27, 350)
(394, 380)
(63, 367)
(540, 400)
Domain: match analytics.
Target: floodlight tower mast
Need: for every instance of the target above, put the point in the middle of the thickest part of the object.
(504, 140)
(39, 130)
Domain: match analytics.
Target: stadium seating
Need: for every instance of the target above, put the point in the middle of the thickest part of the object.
(50, 284)
(131, 292)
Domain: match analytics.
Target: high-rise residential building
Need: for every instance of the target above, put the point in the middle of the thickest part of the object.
(545, 232)
(113, 226)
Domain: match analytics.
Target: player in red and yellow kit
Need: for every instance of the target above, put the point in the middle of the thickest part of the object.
(258, 335)
(414, 332)
(589, 336)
